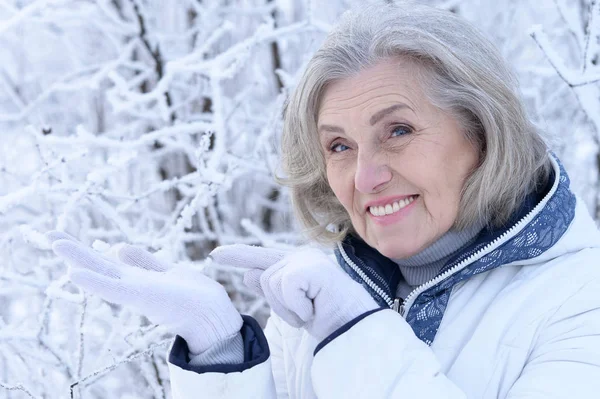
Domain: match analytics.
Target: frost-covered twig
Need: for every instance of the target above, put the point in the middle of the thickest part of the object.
(569, 76)
(129, 358)
(155, 53)
(591, 50)
(580, 83)
(17, 387)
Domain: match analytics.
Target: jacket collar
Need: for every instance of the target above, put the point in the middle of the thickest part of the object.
(535, 227)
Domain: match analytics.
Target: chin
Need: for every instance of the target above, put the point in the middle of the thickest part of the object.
(391, 249)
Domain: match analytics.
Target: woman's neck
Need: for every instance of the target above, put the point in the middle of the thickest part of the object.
(426, 264)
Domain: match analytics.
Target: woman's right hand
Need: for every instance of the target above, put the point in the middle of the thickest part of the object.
(184, 300)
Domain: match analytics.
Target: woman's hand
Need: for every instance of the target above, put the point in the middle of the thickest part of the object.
(305, 288)
(184, 300)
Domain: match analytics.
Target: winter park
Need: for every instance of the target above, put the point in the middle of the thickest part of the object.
(299, 199)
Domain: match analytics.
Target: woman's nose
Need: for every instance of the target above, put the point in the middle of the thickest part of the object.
(371, 174)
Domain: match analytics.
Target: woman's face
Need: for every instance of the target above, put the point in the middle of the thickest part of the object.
(395, 162)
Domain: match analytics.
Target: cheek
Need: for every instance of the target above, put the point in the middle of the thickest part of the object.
(341, 183)
(439, 189)
(444, 201)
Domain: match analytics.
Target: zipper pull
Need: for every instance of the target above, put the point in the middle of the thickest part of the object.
(398, 306)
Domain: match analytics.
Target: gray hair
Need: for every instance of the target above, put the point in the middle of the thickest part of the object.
(462, 74)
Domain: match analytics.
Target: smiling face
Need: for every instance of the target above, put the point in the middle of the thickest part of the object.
(396, 163)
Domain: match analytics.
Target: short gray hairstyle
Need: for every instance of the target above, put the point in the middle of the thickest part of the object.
(462, 74)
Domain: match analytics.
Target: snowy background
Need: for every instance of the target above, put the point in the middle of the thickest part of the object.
(156, 122)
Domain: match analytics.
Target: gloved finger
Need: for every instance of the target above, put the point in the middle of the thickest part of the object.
(271, 286)
(55, 235)
(299, 288)
(138, 257)
(252, 281)
(78, 255)
(247, 256)
(109, 289)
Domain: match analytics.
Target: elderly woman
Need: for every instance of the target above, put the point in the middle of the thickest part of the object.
(465, 267)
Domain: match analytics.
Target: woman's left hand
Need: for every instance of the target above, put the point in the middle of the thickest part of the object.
(305, 287)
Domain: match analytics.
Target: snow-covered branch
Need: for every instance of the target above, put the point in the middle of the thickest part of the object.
(155, 123)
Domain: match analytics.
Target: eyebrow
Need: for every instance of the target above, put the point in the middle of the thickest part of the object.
(379, 115)
(331, 128)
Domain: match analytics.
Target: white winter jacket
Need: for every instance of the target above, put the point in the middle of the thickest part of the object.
(517, 315)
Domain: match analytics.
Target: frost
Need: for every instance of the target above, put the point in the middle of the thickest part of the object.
(157, 124)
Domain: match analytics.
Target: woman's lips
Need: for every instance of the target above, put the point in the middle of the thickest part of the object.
(391, 207)
(392, 212)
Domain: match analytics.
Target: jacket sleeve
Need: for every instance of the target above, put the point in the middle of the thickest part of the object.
(377, 366)
(251, 379)
(565, 361)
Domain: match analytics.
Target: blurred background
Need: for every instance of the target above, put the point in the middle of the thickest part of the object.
(157, 123)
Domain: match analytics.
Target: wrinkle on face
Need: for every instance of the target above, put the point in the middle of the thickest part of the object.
(432, 161)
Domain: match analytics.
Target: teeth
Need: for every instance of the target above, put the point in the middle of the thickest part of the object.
(390, 208)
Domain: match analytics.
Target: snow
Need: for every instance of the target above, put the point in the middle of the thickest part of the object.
(154, 123)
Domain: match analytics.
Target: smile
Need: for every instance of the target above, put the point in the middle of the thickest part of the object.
(391, 208)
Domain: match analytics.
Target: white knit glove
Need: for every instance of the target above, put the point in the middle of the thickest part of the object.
(305, 288)
(184, 300)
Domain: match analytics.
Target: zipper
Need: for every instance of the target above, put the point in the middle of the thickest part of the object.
(485, 250)
(378, 290)
(398, 306)
(401, 306)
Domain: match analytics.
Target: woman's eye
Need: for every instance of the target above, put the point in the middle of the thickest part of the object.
(401, 131)
(337, 147)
